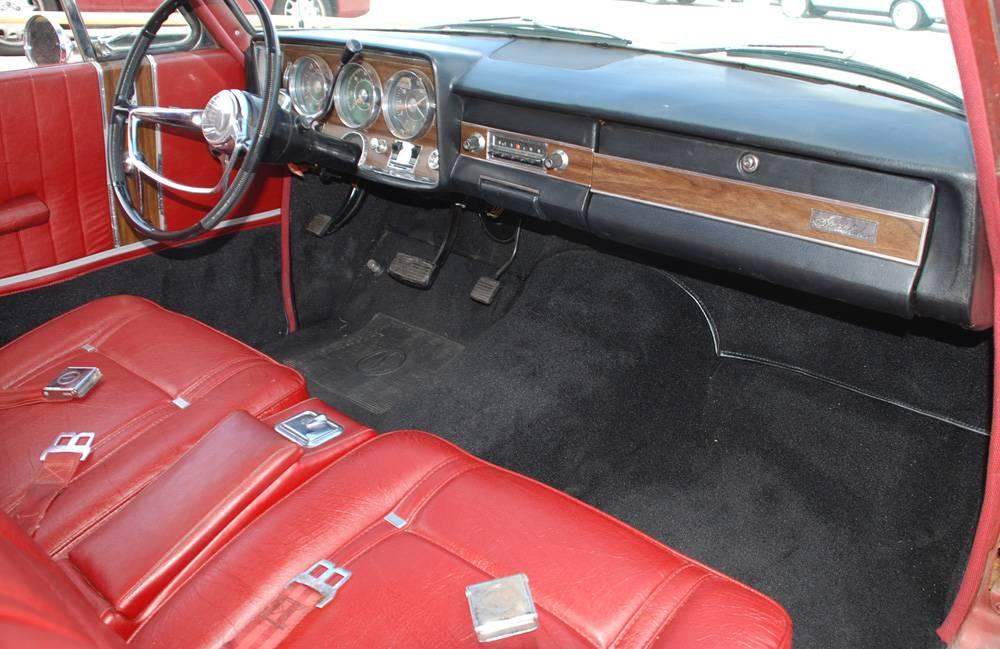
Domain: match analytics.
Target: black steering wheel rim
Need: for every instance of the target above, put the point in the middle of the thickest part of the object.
(258, 139)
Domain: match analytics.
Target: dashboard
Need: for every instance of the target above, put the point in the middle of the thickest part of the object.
(384, 103)
(852, 195)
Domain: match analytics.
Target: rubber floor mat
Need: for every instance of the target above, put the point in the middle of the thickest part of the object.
(380, 363)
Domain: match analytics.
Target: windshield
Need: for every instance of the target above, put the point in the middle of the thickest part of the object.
(906, 39)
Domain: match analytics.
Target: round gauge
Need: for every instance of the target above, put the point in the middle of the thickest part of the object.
(310, 82)
(408, 104)
(358, 95)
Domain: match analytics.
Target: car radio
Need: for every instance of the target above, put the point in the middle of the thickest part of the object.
(516, 149)
(510, 148)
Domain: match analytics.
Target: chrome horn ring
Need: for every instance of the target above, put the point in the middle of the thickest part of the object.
(236, 126)
(226, 123)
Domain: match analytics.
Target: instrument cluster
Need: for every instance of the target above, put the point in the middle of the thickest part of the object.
(385, 104)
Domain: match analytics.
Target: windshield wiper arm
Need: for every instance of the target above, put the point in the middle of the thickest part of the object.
(518, 26)
(845, 65)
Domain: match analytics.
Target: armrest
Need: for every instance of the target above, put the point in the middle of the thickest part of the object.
(22, 213)
(149, 541)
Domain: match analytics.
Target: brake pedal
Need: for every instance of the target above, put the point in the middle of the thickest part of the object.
(419, 272)
(486, 288)
(413, 270)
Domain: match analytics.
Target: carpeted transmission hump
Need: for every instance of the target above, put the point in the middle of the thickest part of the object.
(602, 380)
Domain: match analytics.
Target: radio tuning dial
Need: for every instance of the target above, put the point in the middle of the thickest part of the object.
(474, 143)
(556, 161)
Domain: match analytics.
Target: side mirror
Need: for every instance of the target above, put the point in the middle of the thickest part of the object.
(46, 43)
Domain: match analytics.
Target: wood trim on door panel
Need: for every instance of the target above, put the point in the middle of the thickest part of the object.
(898, 236)
(581, 159)
(145, 96)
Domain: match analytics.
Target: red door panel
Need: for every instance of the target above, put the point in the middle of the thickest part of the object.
(55, 215)
(188, 80)
(52, 152)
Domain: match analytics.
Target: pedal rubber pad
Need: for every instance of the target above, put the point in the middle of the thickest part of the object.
(320, 225)
(485, 290)
(411, 270)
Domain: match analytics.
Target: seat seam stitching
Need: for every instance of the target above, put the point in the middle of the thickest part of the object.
(673, 612)
(635, 617)
(455, 553)
(99, 442)
(376, 522)
(420, 505)
(215, 508)
(92, 335)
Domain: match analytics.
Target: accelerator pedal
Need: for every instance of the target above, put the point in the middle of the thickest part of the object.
(419, 272)
(486, 288)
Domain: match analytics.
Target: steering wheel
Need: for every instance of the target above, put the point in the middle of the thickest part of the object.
(235, 124)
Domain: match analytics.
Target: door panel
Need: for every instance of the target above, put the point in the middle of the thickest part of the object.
(56, 215)
(189, 80)
(52, 151)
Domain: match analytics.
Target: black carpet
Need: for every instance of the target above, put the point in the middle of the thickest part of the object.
(602, 379)
(376, 366)
(231, 283)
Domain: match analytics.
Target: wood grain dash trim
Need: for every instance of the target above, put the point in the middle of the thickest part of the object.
(899, 237)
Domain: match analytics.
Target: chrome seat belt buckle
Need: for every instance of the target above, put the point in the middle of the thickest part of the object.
(309, 429)
(72, 383)
(321, 582)
(502, 608)
(80, 443)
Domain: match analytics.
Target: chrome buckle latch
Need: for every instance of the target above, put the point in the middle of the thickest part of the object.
(309, 429)
(320, 583)
(72, 383)
(80, 443)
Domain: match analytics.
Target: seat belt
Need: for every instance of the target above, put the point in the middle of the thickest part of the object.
(314, 588)
(72, 383)
(59, 464)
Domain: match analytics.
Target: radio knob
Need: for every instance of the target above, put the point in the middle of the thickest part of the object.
(556, 161)
(475, 142)
(378, 145)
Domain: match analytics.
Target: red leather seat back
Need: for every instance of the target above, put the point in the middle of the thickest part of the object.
(39, 608)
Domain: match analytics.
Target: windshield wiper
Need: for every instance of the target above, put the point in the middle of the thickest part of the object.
(835, 63)
(519, 26)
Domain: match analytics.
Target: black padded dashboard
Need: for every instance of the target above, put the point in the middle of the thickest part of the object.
(856, 196)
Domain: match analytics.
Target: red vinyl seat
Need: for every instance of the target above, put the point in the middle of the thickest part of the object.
(455, 521)
(167, 380)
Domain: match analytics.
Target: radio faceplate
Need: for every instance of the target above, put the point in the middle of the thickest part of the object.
(512, 148)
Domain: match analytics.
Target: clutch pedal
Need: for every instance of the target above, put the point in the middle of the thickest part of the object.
(486, 288)
(419, 272)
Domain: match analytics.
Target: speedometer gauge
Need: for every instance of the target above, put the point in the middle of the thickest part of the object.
(358, 95)
(409, 104)
(310, 82)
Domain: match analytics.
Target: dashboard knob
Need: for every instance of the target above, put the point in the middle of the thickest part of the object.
(556, 161)
(378, 145)
(434, 160)
(475, 142)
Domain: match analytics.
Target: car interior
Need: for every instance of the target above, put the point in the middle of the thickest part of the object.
(431, 338)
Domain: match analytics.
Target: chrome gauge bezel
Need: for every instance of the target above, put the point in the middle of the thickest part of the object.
(290, 75)
(387, 102)
(345, 74)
